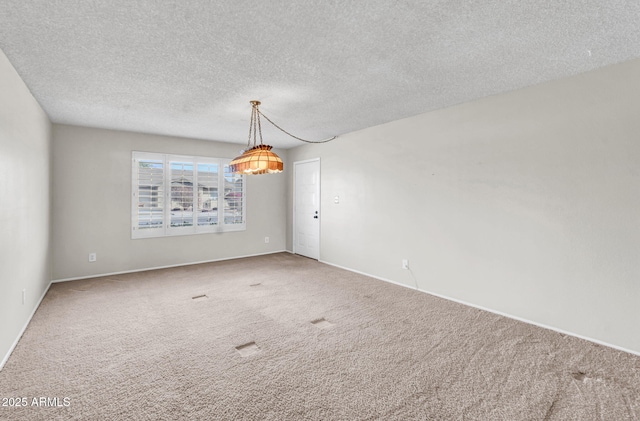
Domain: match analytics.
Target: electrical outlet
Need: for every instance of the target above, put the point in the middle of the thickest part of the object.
(93, 257)
(405, 264)
(266, 239)
(24, 296)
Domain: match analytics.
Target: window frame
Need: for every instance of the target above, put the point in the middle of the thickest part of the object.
(166, 230)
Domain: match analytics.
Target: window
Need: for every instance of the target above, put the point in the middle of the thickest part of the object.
(180, 195)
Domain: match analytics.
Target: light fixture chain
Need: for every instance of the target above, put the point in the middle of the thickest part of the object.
(258, 118)
(286, 132)
(250, 130)
(254, 117)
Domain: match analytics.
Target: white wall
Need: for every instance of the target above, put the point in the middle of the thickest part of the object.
(526, 203)
(92, 206)
(25, 144)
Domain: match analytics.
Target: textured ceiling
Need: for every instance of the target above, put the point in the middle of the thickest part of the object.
(321, 68)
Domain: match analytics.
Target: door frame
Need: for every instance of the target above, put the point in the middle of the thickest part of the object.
(306, 161)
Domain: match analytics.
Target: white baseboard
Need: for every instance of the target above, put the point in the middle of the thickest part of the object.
(165, 267)
(520, 319)
(15, 343)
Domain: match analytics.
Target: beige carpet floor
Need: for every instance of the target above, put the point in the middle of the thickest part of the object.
(281, 337)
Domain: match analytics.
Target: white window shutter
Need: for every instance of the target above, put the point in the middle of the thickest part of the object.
(182, 195)
(148, 201)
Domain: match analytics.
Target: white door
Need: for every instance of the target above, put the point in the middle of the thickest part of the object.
(306, 208)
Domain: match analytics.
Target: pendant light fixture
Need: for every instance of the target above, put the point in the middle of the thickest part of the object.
(257, 159)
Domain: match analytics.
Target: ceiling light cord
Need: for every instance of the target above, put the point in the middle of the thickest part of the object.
(259, 159)
(286, 132)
